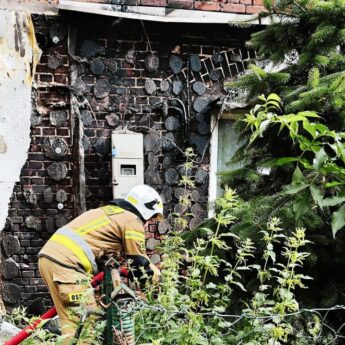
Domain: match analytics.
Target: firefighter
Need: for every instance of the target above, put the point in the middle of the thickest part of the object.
(75, 251)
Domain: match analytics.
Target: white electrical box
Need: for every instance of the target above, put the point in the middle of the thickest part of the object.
(127, 152)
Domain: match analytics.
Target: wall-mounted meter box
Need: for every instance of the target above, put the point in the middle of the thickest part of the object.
(127, 161)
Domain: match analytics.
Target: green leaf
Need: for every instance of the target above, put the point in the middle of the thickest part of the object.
(239, 285)
(320, 158)
(298, 182)
(336, 200)
(307, 145)
(274, 107)
(273, 100)
(293, 130)
(322, 129)
(262, 98)
(301, 207)
(317, 194)
(211, 286)
(335, 170)
(274, 97)
(258, 133)
(297, 176)
(196, 272)
(287, 160)
(333, 184)
(338, 220)
(308, 114)
(295, 188)
(310, 128)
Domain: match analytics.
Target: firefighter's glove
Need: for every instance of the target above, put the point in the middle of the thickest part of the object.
(156, 274)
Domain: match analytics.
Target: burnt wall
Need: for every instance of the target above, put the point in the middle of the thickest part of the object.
(98, 74)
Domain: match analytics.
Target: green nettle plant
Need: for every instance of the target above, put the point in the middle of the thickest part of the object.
(187, 184)
(279, 300)
(193, 301)
(191, 305)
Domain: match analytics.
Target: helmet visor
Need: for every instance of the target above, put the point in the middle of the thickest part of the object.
(157, 209)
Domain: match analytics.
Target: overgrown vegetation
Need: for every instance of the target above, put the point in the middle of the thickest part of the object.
(292, 162)
(200, 283)
(193, 302)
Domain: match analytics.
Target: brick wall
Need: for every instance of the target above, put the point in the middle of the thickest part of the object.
(107, 81)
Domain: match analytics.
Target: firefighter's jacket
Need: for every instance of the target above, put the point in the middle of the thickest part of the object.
(109, 230)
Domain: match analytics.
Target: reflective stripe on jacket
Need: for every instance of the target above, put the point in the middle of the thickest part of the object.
(76, 244)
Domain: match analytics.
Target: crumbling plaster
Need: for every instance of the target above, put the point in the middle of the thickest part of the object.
(19, 54)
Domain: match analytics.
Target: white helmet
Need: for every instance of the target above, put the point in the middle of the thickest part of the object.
(146, 200)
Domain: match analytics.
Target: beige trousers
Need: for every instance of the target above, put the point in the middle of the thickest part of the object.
(72, 295)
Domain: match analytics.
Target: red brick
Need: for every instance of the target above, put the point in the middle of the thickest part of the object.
(35, 165)
(60, 78)
(246, 2)
(37, 180)
(258, 2)
(64, 132)
(206, 6)
(62, 69)
(36, 131)
(255, 9)
(43, 68)
(220, 1)
(234, 8)
(49, 131)
(233, 1)
(184, 4)
(157, 3)
(46, 78)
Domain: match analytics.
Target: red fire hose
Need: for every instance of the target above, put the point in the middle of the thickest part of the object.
(27, 331)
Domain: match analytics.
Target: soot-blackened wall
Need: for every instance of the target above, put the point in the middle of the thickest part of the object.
(98, 74)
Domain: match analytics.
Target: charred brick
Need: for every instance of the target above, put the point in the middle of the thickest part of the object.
(175, 64)
(10, 245)
(10, 269)
(11, 293)
(97, 66)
